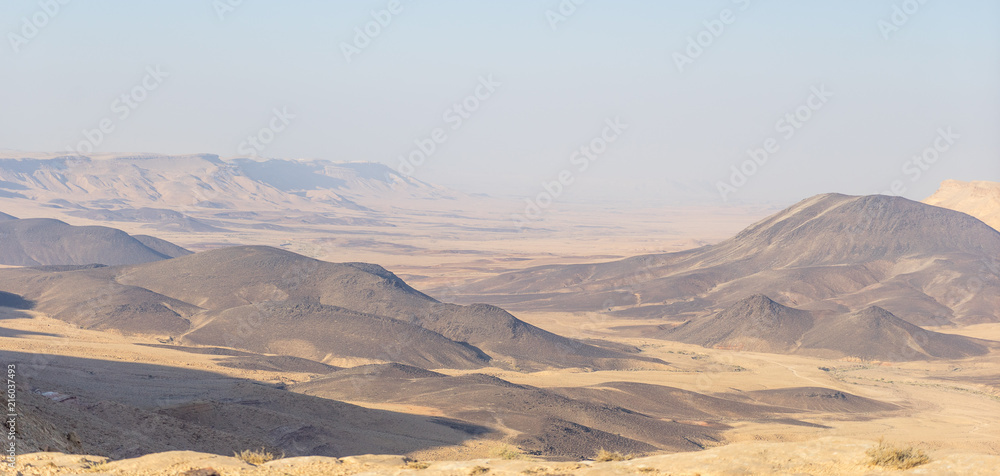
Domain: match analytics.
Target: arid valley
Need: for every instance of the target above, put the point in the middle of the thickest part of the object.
(357, 326)
(518, 237)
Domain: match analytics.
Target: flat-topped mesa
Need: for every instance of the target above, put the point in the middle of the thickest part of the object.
(116, 182)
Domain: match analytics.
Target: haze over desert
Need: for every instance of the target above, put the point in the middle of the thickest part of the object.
(518, 238)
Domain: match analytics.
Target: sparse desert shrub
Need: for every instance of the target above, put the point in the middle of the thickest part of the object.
(605, 455)
(548, 471)
(414, 464)
(96, 467)
(506, 452)
(257, 457)
(897, 457)
(545, 471)
(201, 472)
(479, 470)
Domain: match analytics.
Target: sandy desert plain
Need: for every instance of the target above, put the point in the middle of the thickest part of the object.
(713, 351)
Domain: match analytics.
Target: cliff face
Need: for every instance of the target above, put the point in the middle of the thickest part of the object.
(979, 198)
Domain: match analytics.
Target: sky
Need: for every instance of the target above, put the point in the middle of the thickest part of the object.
(665, 98)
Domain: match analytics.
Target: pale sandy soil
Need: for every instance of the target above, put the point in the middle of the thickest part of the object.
(982, 331)
(825, 456)
(69, 340)
(952, 405)
(952, 408)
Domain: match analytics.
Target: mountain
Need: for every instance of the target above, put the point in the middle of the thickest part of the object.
(316, 331)
(925, 264)
(755, 324)
(126, 183)
(815, 399)
(163, 247)
(202, 194)
(876, 334)
(272, 301)
(43, 241)
(980, 199)
(758, 324)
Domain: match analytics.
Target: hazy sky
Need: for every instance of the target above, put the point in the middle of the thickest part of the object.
(892, 88)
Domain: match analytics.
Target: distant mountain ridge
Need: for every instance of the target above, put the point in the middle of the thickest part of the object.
(204, 181)
(44, 241)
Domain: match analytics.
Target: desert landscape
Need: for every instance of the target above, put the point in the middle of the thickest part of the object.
(138, 354)
(463, 238)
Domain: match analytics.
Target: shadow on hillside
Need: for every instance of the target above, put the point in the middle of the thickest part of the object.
(15, 301)
(7, 312)
(173, 408)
